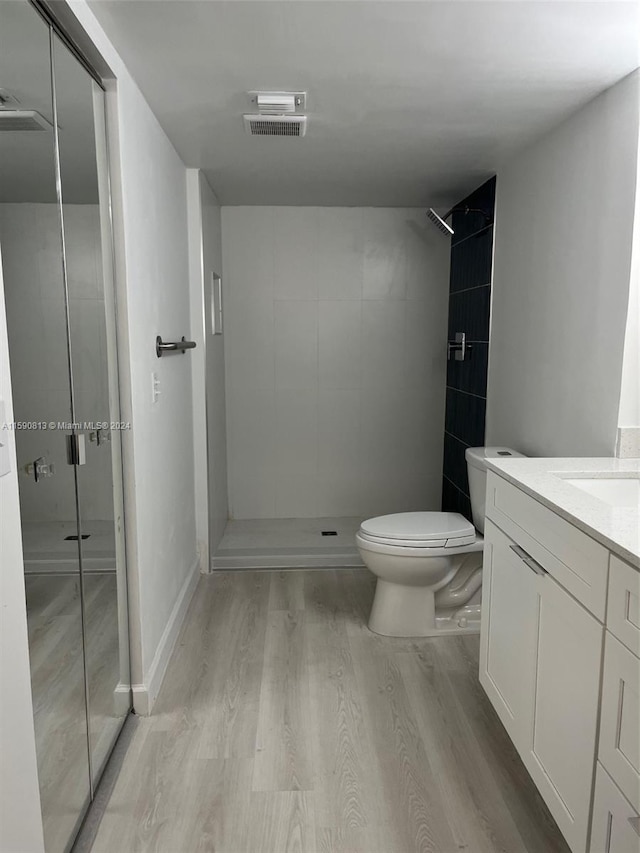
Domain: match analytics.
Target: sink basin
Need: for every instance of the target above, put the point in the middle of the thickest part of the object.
(614, 491)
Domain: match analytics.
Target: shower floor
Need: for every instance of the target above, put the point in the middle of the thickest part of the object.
(287, 543)
(46, 548)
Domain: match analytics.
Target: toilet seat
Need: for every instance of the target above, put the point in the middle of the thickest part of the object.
(419, 530)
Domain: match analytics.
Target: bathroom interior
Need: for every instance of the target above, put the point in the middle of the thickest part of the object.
(319, 453)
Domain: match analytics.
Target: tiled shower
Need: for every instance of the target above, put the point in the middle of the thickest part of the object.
(469, 312)
(335, 358)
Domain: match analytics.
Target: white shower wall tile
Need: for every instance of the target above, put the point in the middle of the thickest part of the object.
(383, 342)
(296, 453)
(338, 452)
(384, 255)
(26, 337)
(296, 255)
(349, 364)
(340, 343)
(54, 342)
(384, 428)
(88, 345)
(248, 237)
(296, 344)
(250, 342)
(425, 343)
(423, 269)
(16, 221)
(47, 223)
(252, 453)
(340, 259)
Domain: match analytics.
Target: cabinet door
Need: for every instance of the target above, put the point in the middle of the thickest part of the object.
(620, 718)
(623, 608)
(508, 632)
(616, 825)
(562, 722)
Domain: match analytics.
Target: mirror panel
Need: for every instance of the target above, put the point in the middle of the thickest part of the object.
(88, 253)
(32, 259)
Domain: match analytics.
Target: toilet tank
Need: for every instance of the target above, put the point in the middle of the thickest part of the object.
(477, 470)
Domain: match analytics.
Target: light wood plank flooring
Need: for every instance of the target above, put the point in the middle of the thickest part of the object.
(285, 726)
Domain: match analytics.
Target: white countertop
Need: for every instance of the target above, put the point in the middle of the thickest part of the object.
(618, 528)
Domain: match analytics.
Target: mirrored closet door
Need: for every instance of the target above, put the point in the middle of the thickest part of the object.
(55, 245)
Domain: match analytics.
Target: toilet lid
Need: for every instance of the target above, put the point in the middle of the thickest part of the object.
(435, 529)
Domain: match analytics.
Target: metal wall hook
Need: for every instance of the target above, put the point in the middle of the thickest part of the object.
(173, 346)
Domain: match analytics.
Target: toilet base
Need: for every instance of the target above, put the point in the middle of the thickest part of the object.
(410, 611)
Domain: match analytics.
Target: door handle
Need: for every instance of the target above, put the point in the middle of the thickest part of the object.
(75, 449)
(528, 560)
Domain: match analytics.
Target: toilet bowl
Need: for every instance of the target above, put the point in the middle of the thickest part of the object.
(429, 564)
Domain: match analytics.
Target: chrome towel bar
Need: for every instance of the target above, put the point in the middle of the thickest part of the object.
(173, 346)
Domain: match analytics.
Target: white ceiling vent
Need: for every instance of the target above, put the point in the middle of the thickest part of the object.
(275, 125)
(23, 120)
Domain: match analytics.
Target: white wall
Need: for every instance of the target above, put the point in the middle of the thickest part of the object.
(210, 444)
(34, 295)
(629, 414)
(564, 220)
(20, 820)
(335, 348)
(630, 391)
(152, 267)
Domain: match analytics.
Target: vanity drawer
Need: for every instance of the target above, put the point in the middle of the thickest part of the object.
(619, 749)
(615, 827)
(575, 560)
(623, 608)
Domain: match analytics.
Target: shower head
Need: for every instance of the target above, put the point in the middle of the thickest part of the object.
(447, 229)
(441, 224)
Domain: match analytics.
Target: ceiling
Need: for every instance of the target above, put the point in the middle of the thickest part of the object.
(409, 103)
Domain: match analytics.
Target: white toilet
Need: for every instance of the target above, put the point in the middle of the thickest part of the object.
(429, 564)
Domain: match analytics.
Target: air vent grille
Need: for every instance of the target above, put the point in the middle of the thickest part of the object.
(23, 120)
(265, 125)
(274, 128)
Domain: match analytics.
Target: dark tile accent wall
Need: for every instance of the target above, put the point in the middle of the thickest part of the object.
(469, 312)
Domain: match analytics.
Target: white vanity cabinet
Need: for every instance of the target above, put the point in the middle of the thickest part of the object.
(616, 824)
(620, 721)
(560, 662)
(616, 808)
(540, 666)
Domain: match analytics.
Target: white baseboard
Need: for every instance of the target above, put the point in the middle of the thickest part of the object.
(145, 695)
